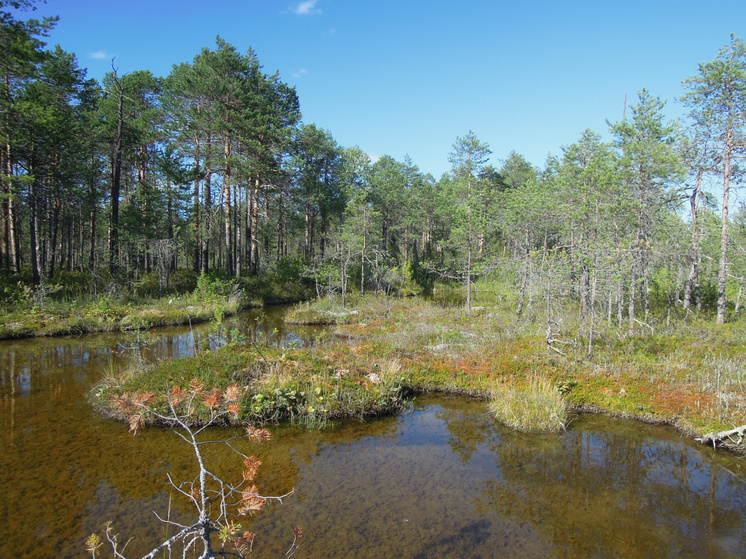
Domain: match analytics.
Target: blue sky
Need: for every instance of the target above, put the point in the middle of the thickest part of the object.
(407, 78)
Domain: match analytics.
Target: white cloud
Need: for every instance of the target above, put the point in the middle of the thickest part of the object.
(305, 8)
(300, 73)
(373, 158)
(98, 55)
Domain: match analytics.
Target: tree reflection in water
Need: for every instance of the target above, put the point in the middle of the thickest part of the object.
(617, 488)
(442, 481)
(447, 482)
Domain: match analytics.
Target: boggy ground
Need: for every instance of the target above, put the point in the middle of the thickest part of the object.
(691, 375)
(28, 312)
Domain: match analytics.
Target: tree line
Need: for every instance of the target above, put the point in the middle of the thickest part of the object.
(212, 169)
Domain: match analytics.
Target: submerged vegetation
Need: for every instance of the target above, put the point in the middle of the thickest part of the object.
(690, 375)
(216, 503)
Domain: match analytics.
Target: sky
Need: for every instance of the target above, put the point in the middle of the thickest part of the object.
(407, 78)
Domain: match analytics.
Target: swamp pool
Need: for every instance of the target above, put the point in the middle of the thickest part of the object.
(441, 480)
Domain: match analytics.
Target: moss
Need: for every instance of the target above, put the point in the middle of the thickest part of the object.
(299, 385)
(692, 375)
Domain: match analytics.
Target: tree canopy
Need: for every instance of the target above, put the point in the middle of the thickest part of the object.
(212, 169)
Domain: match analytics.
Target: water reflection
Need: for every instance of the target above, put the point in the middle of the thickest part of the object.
(441, 481)
(66, 470)
(619, 486)
(446, 482)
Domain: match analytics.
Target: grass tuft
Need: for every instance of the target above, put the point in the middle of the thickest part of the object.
(538, 407)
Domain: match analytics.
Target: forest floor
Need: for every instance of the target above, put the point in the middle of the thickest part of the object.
(691, 375)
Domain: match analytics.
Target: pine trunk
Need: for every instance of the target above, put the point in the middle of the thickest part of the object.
(692, 282)
(723, 264)
(255, 229)
(116, 179)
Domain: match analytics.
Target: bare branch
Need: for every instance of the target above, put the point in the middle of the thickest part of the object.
(171, 522)
(734, 436)
(208, 492)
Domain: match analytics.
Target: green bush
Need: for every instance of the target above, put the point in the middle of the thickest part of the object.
(183, 281)
(147, 286)
(72, 284)
(288, 270)
(212, 288)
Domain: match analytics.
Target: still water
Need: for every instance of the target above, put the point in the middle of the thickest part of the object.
(439, 481)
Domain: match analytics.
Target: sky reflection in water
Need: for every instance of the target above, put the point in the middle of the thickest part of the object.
(441, 481)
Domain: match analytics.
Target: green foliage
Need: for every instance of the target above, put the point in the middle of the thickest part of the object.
(690, 374)
(68, 285)
(147, 286)
(324, 310)
(421, 275)
(717, 98)
(107, 309)
(183, 281)
(292, 385)
(18, 294)
(180, 282)
(401, 281)
(287, 270)
(328, 278)
(214, 154)
(566, 386)
(74, 284)
(212, 288)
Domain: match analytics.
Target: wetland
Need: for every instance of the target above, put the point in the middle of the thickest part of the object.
(439, 478)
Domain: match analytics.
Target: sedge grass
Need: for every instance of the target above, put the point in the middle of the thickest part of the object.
(538, 407)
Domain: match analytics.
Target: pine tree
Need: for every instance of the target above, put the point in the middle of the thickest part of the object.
(717, 98)
(468, 158)
(649, 161)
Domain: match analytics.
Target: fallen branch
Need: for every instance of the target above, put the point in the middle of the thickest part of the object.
(721, 436)
(646, 325)
(215, 501)
(551, 346)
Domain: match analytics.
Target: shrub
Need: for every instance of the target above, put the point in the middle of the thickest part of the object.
(212, 289)
(538, 407)
(147, 286)
(288, 270)
(72, 284)
(183, 281)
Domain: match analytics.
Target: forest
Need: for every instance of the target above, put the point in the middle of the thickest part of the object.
(211, 170)
(611, 279)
